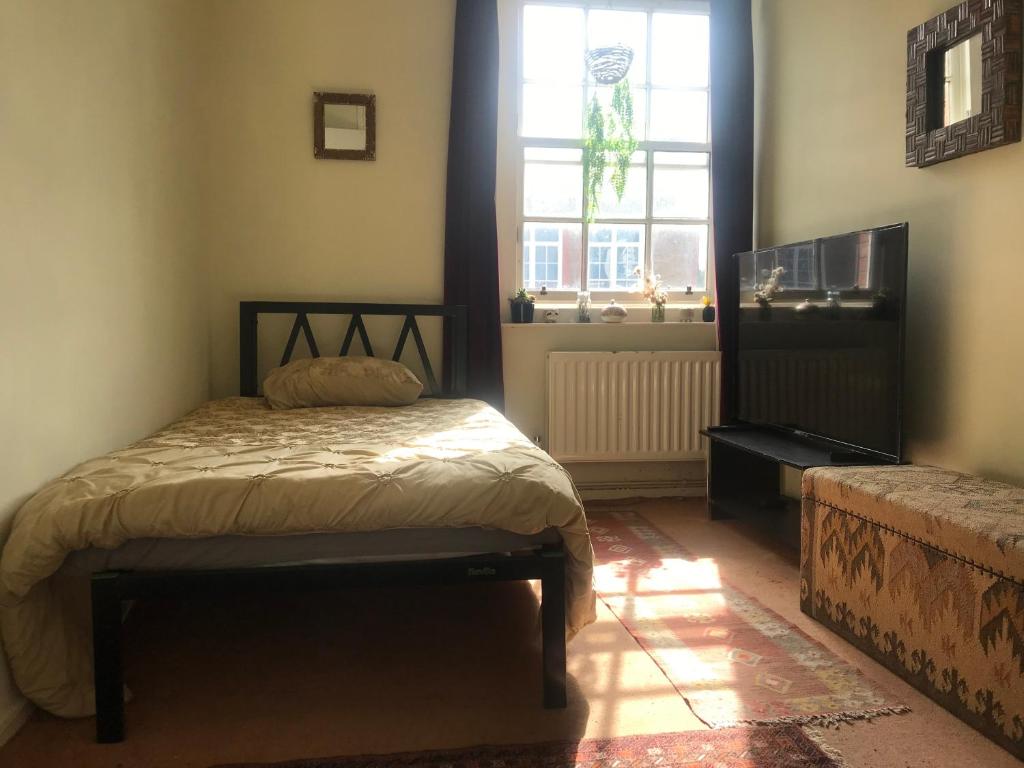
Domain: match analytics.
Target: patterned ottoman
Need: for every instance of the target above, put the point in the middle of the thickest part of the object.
(923, 569)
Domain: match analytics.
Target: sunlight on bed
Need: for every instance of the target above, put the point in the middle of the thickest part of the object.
(480, 433)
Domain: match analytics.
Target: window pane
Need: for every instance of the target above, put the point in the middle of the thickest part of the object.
(679, 49)
(598, 271)
(553, 182)
(801, 265)
(553, 44)
(626, 262)
(679, 253)
(553, 111)
(681, 185)
(606, 28)
(552, 255)
(615, 251)
(679, 116)
(604, 98)
(634, 200)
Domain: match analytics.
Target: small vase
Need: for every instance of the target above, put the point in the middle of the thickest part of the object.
(657, 313)
(583, 307)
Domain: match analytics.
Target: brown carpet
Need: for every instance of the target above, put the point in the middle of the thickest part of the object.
(778, 747)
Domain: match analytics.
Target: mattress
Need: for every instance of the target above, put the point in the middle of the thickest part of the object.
(237, 483)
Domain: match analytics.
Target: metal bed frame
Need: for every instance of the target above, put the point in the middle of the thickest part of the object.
(110, 589)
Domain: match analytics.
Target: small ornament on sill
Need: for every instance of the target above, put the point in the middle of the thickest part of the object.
(522, 304)
(833, 301)
(583, 307)
(614, 313)
(708, 314)
(653, 289)
(550, 315)
(688, 315)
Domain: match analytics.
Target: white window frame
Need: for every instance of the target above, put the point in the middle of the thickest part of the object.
(614, 246)
(532, 245)
(649, 147)
(788, 259)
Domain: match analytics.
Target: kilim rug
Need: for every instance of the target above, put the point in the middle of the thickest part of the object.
(734, 661)
(778, 747)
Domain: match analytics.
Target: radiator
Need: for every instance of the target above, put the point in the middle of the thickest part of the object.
(631, 406)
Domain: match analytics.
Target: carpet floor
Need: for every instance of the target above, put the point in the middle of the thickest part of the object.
(735, 661)
(223, 681)
(777, 747)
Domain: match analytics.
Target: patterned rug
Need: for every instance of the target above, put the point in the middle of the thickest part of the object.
(734, 661)
(779, 747)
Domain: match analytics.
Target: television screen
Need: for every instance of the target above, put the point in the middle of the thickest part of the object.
(821, 338)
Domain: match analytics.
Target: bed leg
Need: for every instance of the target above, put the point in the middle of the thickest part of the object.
(106, 648)
(553, 626)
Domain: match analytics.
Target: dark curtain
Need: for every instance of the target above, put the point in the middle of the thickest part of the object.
(732, 171)
(470, 235)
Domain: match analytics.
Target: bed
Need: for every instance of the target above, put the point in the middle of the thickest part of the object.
(237, 496)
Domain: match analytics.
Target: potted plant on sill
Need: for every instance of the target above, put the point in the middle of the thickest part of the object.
(522, 306)
(653, 289)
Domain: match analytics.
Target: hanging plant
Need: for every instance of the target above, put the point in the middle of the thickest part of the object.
(624, 142)
(594, 155)
(610, 64)
(608, 133)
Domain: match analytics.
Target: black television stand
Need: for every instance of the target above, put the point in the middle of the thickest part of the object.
(744, 481)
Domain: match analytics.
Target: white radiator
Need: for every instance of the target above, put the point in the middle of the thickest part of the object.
(631, 406)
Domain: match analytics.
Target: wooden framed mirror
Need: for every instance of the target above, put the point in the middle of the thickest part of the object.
(964, 81)
(344, 126)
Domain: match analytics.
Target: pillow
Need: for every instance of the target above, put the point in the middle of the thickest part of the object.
(322, 381)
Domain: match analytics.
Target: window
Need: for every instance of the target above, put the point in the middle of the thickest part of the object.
(542, 256)
(801, 265)
(661, 221)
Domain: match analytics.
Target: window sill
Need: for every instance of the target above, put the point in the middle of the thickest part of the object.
(639, 314)
(631, 306)
(601, 324)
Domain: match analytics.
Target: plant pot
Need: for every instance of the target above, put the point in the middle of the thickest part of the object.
(522, 311)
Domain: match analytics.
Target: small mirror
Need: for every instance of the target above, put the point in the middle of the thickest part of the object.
(962, 81)
(344, 126)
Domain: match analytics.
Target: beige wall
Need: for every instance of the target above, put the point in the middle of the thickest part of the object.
(831, 118)
(279, 224)
(102, 326)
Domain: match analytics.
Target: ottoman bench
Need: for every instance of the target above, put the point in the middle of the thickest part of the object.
(923, 569)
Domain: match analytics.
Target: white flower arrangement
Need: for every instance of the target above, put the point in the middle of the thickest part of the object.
(766, 291)
(652, 288)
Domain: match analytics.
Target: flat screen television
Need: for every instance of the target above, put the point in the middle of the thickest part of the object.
(820, 347)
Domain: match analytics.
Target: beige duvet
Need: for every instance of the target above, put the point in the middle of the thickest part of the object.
(237, 467)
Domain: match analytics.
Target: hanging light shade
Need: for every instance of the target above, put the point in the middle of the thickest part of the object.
(609, 65)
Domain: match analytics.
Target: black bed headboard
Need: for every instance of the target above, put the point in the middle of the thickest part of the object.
(455, 325)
